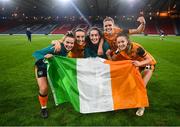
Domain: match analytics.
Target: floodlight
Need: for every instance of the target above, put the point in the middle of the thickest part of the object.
(64, 1)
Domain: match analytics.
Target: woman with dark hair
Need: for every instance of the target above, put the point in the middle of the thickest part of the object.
(92, 43)
(127, 50)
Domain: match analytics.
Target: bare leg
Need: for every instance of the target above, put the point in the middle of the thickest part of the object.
(43, 91)
(146, 78)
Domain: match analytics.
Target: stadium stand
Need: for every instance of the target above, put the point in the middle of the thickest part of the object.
(166, 25)
(62, 29)
(17, 29)
(150, 28)
(177, 24)
(4, 26)
(21, 29)
(169, 26)
(127, 24)
(44, 29)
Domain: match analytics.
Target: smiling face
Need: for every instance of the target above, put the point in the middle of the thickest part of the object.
(80, 37)
(108, 27)
(69, 43)
(122, 43)
(94, 36)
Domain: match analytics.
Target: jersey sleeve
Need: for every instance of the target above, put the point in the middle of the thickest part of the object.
(141, 52)
(86, 53)
(41, 53)
(106, 46)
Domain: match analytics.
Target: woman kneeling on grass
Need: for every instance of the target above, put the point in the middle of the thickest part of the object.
(41, 68)
(127, 50)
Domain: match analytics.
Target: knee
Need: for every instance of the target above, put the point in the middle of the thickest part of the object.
(43, 89)
(148, 73)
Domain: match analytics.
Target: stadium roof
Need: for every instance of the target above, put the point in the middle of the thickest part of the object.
(88, 7)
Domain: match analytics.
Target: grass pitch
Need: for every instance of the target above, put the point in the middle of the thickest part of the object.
(19, 104)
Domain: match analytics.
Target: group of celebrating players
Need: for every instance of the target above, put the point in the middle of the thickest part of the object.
(112, 44)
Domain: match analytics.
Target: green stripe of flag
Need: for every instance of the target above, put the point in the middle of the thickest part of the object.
(62, 76)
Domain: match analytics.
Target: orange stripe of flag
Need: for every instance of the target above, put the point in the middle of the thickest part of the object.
(128, 89)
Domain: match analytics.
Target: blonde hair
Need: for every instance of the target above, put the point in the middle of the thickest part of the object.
(108, 19)
(68, 34)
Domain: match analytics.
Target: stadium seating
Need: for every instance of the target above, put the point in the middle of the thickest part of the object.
(4, 26)
(44, 29)
(167, 26)
(152, 26)
(35, 29)
(62, 29)
(127, 24)
(17, 29)
(177, 23)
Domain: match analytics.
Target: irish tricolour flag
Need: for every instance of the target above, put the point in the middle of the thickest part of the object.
(96, 85)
